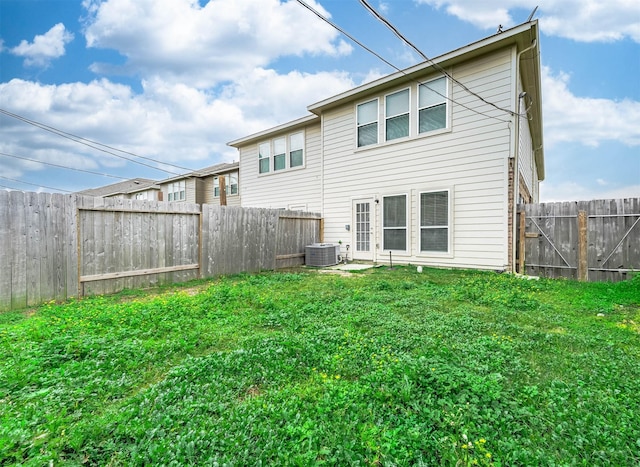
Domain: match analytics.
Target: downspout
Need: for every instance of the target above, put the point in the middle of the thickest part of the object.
(516, 161)
(322, 213)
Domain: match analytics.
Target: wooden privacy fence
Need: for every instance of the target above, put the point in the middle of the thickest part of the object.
(53, 246)
(588, 240)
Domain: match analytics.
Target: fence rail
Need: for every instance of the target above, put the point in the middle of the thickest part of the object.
(595, 240)
(53, 246)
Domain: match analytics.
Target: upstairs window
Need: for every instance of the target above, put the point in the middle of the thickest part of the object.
(296, 150)
(367, 116)
(145, 195)
(397, 115)
(177, 191)
(230, 183)
(264, 156)
(279, 154)
(434, 221)
(394, 222)
(432, 105)
(286, 152)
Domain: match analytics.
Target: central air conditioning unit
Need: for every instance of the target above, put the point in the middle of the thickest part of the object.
(322, 254)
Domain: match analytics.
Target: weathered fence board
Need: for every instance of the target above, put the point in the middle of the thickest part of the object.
(110, 263)
(240, 240)
(55, 246)
(5, 252)
(294, 233)
(595, 240)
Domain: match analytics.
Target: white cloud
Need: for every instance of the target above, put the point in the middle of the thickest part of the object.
(383, 7)
(589, 121)
(181, 41)
(168, 121)
(581, 20)
(44, 48)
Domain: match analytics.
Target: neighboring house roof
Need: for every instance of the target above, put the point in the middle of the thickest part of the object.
(523, 36)
(205, 172)
(129, 186)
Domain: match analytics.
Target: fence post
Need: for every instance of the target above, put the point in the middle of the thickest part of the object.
(222, 186)
(521, 241)
(583, 270)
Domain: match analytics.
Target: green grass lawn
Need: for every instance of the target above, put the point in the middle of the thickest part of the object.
(385, 367)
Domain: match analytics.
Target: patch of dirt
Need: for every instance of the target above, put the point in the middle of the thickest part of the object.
(336, 271)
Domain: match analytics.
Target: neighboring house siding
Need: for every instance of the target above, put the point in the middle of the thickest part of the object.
(526, 152)
(470, 160)
(208, 191)
(290, 188)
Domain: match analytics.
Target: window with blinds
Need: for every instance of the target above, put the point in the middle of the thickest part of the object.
(434, 221)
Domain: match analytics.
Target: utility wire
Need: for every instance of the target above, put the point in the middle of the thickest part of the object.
(434, 64)
(345, 33)
(422, 83)
(35, 184)
(61, 166)
(95, 145)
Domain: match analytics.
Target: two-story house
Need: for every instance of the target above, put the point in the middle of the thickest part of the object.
(203, 186)
(418, 164)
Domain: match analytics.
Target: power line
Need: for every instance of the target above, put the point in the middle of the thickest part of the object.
(342, 31)
(35, 184)
(94, 144)
(61, 166)
(434, 64)
(422, 83)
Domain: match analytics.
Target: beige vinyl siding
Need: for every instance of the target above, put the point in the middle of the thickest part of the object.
(526, 153)
(470, 160)
(281, 189)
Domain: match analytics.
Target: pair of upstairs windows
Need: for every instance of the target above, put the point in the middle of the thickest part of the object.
(431, 110)
(281, 153)
(230, 183)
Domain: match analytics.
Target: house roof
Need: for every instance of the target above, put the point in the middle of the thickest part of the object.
(289, 126)
(205, 172)
(128, 186)
(522, 36)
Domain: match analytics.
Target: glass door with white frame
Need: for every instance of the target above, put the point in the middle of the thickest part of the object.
(362, 242)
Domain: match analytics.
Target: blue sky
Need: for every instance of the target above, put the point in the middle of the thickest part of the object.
(174, 80)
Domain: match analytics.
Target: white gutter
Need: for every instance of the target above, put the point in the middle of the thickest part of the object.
(516, 161)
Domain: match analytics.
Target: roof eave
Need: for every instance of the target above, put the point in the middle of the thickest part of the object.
(289, 126)
(228, 166)
(510, 36)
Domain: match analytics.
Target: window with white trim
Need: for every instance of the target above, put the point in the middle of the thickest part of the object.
(264, 156)
(145, 195)
(286, 152)
(394, 222)
(434, 221)
(367, 122)
(177, 191)
(296, 149)
(230, 183)
(396, 111)
(432, 105)
(279, 154)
